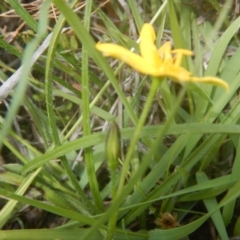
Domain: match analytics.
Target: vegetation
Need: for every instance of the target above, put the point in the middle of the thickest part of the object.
(93, 149)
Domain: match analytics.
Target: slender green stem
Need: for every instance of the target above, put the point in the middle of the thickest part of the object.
(112, 148)
(113, 219)
(153, 89)
(111, 226)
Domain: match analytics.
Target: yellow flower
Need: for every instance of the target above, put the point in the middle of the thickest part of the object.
(162, 62)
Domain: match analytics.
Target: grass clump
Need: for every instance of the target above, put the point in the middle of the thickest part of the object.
(170, 169)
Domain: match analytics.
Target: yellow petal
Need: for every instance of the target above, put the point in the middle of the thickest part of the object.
(179, 74)
(211, 80)
(183, 51)
(164, 52)
(132, 59)
(176, 74)
(179, 53)
(147, 47)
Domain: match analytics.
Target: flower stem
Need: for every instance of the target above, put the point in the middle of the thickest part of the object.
(113, 218)
(153, 89)
(132, 147)
(113, 145)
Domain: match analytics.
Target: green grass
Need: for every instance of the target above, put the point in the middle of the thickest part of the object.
(180, 143)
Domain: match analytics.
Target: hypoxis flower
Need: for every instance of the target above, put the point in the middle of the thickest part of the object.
(162, 62)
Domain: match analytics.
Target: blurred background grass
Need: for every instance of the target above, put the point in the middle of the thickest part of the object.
(182, 182)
